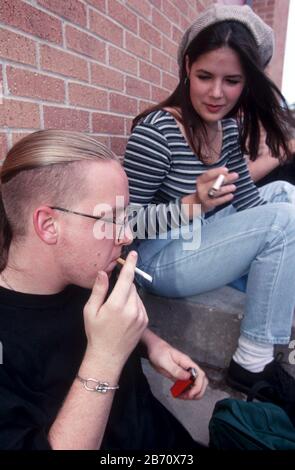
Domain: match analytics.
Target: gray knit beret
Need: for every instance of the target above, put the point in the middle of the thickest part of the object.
(262, 33)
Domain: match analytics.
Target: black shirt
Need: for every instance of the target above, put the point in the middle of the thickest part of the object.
(43, 343)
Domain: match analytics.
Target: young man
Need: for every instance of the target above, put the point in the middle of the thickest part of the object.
(61, 234)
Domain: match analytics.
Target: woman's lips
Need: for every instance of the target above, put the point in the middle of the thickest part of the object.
(213, 108)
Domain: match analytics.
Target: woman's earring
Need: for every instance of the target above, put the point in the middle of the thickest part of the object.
(186, 81)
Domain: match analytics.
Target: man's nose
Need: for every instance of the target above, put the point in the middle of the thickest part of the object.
(127, 237)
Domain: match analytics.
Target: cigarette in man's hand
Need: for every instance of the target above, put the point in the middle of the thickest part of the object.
(216, 186)
(137, 270)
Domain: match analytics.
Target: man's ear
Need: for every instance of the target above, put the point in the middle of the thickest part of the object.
(45, 225)
(187, 66)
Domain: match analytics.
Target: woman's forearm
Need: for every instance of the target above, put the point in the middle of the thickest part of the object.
(263, 165)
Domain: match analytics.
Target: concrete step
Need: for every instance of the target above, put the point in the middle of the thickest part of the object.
(205, 326)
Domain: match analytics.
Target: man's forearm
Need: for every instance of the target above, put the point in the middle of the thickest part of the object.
(149, 339)
(82, 419)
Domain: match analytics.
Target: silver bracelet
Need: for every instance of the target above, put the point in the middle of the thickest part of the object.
(96, 386)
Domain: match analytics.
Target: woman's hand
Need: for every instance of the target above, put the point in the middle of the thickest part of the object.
(205, 182)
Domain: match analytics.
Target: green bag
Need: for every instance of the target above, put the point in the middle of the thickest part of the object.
(237, 424)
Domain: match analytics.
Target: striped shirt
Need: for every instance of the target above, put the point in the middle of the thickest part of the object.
(162, 168)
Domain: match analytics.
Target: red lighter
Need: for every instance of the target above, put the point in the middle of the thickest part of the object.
(181, 386)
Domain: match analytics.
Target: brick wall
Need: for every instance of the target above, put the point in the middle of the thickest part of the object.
(88, 65)
(265, 9)
(275, 13)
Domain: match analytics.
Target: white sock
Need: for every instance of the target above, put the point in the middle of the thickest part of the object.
(252, 355)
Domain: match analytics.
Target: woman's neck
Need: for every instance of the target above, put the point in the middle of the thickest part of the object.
(212, 148)
(213, 128)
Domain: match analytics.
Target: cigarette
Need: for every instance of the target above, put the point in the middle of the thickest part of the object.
(218, 182)
(216, 185)
(137, 270)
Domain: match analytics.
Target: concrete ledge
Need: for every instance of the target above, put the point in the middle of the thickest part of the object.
(205, 326)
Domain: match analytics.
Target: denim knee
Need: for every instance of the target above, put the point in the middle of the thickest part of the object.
(278, 191)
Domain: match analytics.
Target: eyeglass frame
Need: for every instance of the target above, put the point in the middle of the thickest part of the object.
(97, 217)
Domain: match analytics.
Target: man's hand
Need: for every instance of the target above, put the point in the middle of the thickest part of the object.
(114, 327)
(173, 364)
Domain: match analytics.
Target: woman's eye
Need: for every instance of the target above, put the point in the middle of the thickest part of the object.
(203, 77)
(232, 82)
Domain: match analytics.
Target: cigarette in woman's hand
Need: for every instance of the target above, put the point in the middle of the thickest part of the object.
(137, 270)
(216, 186)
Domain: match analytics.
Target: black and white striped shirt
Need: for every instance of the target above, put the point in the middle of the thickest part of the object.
(162, 168)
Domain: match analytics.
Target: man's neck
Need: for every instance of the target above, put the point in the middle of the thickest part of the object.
(25, 273)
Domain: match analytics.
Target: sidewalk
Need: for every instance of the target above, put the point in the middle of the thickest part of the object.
(194, 415)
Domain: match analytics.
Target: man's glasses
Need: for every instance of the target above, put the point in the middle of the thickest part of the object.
(123, 224)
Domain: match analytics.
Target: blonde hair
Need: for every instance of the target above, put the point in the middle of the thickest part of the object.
(47, 165)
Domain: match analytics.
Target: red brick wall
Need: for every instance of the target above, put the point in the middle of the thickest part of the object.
(275, 13)
(265, 9)
(88, 65)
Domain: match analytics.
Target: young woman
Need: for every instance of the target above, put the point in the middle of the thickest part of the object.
(175, 153)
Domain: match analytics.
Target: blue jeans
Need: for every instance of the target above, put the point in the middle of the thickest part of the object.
(257, 242)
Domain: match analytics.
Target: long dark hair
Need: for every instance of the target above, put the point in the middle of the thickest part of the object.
(260, 104)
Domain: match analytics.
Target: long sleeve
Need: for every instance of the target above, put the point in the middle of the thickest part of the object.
(147, 163)
(162, 168)
(246, 194)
